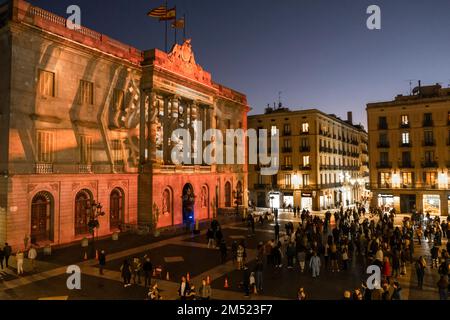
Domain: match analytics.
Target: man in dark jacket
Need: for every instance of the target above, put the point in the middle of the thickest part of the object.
(246, 281)
(147, 268)
(277, 232)
(101, 261)
(7, 250)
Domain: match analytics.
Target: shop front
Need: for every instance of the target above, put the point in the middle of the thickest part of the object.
(386, 201)
(288, 200)
(307, 201)
(432, 204)
(275, 200)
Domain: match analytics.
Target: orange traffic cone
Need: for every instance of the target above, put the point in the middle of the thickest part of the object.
(208, 280)
(226, 286)
(85, 255)
(255, 291)
(167, 276)
(188, 277)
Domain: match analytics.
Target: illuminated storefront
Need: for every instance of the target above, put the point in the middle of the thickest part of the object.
(307, 201)
(432, 204)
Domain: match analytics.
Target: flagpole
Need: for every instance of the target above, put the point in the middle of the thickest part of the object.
(175, 28)
(166, 28)
(184, 27)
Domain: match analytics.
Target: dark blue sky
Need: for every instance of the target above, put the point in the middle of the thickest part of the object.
(318, 53)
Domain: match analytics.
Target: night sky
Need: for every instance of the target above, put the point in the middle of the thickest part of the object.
(318, 53)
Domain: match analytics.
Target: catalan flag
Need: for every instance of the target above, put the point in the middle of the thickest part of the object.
(158, 12)
(171, 14)
(178, 24)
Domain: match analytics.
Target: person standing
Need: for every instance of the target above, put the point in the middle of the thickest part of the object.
(32, 255)
(136, 270)
(147, 268)
(7, 250)
(277, 232)
(259, 268)
(101, 261)
(125, 271)
(183, 289)
(205, 291)
(210, 237)
(19, 260)
(443, 288)
(314, 264)
(240, 257)
(420, 271)
(246, 281)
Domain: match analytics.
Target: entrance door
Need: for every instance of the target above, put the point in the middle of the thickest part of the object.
(41, 218)
(407, 203)
(228, 195)
(188, 204)
(116, 209)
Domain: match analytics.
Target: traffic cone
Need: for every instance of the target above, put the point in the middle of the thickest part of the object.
(85, 255)
(255, 291)
(167, 276)
(226, 286)
(96, 254)
(188, 277)
(208, 280)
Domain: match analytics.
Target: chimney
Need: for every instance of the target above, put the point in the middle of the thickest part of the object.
(350, 117)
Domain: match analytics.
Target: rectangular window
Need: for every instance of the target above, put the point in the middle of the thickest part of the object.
(384, 157)
(430, 178)
(306, 161)
(305, 127)
(85, 150)
(287, 144)
(273, 131)
(287, 180)
(287, 161)
(45, 146)
(305, 142)
(287, 129)
(407, 178)
(305, 178)
(86, 92)
(385, 179)
(405, 138)
(429, 156)
(405, 120)
(46, 83)
(382, 123)
(428, 137)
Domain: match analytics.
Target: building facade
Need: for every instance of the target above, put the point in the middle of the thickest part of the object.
(409, 141)
(323, 161)
(86, 118)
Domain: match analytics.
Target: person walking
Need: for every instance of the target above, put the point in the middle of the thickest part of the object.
(125, 271)
(246, 281)
(277, 232)
(259, 268)
(301, 256)
(101, 261)
(314, 264)
(443, 288)
(136, 270)
(290, 254)
(32, 255)
(205, 291)
(420, 271)
(19, 261)
(147, 269)
(7, 251)
(210, 238)
(240, 257)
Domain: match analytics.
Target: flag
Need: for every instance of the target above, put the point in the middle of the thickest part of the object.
(171, 14)
(178, 24)
(158, 12)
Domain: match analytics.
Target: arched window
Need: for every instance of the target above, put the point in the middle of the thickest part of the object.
(83, 201)
(228, 195)
(116, 209)
(42, 218)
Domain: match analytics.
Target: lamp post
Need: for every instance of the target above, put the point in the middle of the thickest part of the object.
(238, 199)
(96, 211)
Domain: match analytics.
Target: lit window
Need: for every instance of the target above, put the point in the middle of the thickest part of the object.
(405, 137)
(45, 146)
(306, 161)
(46, 83)
(86, 92)
(405, 120)
(305, 127)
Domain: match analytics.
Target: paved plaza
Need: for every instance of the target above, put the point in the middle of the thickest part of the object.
(181, 253)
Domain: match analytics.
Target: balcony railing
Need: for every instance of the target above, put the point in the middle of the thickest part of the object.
(429, 143)
(384, 165)
(406, 165)
(405, 125)
(43, 168)
(287, 150)
(405, 145)
(304, 133)
(85, 168)
(287, 168)
(382, 126)
(287, 133)
(428, 123)
(408, 185)
(429, 164)
(383, 144)
(384, 185)
(306, 167)
(261, 186)
(305, 149)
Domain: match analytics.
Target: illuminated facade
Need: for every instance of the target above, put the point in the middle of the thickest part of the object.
(323, 161)
(84, 117)
(410, 151)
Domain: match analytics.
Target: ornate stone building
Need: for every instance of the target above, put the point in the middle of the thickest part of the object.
(84, 117)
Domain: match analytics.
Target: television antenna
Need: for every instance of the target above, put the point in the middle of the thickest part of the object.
(411, 81)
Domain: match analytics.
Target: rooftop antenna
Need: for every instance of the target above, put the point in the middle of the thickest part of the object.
(280, 104)
(410, 85)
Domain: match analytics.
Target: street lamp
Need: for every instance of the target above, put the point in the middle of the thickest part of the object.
(96, 211)
(238, 199)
